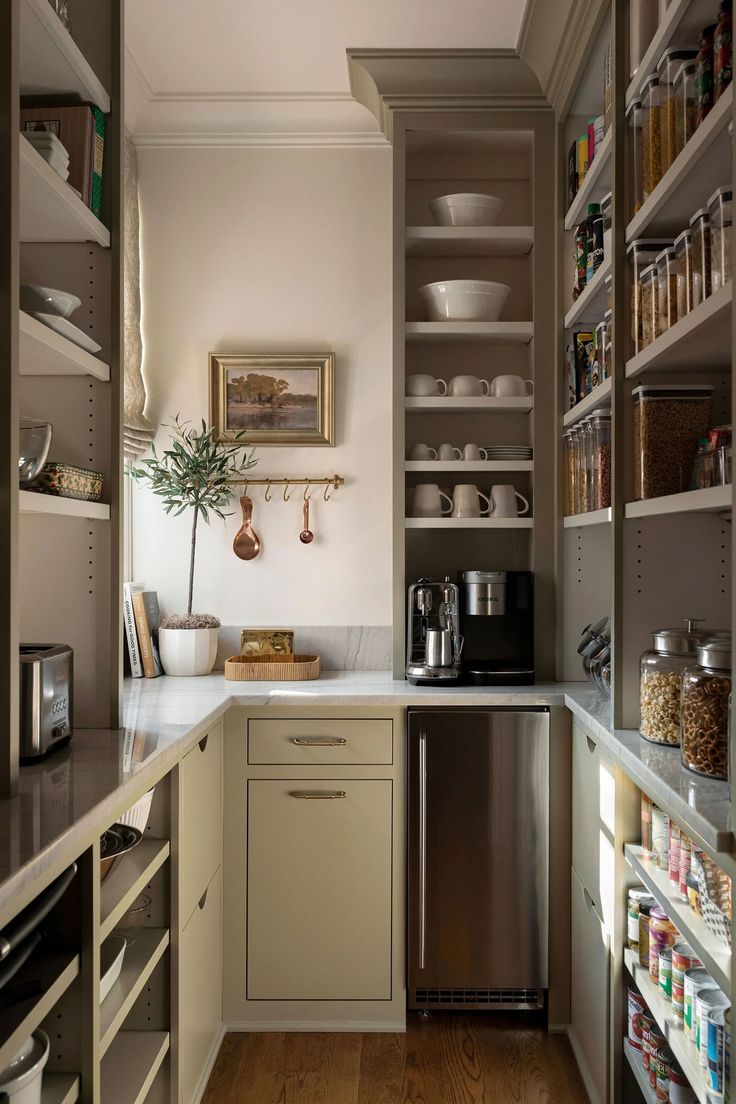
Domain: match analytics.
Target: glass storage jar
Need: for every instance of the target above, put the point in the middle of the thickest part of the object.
(720, 207)
(651, 135)
(635, 123)
(669, 420)
(666, 289)
(684, 272)
(649, 284)
(567, 440)
(722, 50)
(641, 253)
(637, 894)
(706, 687)
(668, 66)
(700, 230)
(662, 934)
(704, 90)
(684, 105)
(600, 465)
(584, 466)
(660, 675)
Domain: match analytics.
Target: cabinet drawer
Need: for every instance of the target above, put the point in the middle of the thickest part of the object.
(200, 992)
(319, 889)
(200, 819)
(589, 1010)
(330, 742)
(593, 820)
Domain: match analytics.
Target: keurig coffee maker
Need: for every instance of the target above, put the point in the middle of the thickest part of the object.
(497, 623)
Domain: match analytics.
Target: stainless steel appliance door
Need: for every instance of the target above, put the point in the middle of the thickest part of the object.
(478, 848)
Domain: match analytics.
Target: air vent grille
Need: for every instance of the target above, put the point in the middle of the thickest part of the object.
(479, 998)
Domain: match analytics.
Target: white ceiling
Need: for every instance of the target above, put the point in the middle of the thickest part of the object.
(264, 67)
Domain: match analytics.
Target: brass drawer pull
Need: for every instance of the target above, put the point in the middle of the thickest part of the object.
(319, 741)
(318, 795)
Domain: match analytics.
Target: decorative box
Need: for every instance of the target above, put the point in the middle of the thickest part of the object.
(266, 642)
(67, 481)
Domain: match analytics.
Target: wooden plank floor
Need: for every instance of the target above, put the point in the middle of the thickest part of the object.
(451, 1059)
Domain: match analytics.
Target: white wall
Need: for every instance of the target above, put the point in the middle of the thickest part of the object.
(256, 250)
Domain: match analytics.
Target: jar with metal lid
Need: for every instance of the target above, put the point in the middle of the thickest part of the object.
(600, 459)
(660, 673)
(637, 894)
(666, 289)
(722, 51)
(684, 272)
(668, 65)
(641, 253)
(704, 90)
(705, 690)
(684, 105)
(645, 907)
(649, 284)
(651, 135)
(700, 230)
(662, 934)
(721, 219)
(635, 123)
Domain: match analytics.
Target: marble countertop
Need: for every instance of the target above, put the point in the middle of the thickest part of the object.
(64, 799)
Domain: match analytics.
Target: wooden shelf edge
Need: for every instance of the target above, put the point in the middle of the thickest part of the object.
(34, 502)
(688, 327)
(71, 359)
(582, 521)
(430, 466)
(590, 292)
(707, 500)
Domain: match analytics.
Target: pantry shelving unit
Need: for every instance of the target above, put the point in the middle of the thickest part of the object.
(466, 333)
(697, 343)
(590, 304)
(52, 545)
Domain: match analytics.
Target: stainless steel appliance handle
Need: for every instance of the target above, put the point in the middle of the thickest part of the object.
(319, 741)
(318, 795)
(422, 848)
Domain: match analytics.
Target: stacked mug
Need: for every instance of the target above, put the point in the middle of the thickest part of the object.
(425, 386)
(467, 501)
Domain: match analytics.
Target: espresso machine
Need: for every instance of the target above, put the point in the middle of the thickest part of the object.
(433, 642)
(497, 623)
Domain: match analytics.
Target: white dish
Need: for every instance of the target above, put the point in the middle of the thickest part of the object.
(138, 814)
(466, 209)
(64, 327)
(464, 300)
(21, 1079)
(34, 297)
(112, 953)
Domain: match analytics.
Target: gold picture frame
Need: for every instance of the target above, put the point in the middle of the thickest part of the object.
(276, 398)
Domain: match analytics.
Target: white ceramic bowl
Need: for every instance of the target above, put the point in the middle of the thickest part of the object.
(112, 953)
(21, 1080)
(49, 300)
(138, 814)
(464, 300)
(466, 209)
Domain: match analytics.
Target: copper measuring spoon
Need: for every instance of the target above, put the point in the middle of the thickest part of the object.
(247, 543)
(306, 536)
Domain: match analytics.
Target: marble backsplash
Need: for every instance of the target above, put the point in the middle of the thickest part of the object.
(341, 647)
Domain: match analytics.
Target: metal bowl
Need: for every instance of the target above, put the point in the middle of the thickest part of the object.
(117, 841)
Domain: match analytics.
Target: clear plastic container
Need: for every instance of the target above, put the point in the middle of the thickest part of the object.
(669, 64)
(575, 448)
(660, 674)
(704, 88)
(700, 230)
(567, 442)
(706, 687)
(669, 420)
(684, 272)
(651, 135)
(649, 284)
(684, 105)
(583, 442)
(600, 459)
(641, 253)
(720, 207)
(635, 123)
(667, 289)
(723, 50)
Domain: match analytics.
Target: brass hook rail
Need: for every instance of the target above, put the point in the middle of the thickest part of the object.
(328, 481)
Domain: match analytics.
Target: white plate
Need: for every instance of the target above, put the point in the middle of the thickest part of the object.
(112, 954)
(64, 327)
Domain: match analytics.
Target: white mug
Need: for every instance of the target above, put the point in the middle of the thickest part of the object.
(425, 385)
(508, 386)
(423, 452)
(472, 452)
(468, 385)
(503, 501)
(428, 501)
(449, 452)
(466, 501)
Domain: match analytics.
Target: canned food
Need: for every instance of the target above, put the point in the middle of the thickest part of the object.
(727, 1056)
(660, 838)
(657, 1044)
(637, 1009)
(674, 854)
(693, 893)
(707, 1001)
(645, 907)
(662, 1076)
(696, 978)
(637, 894)
(716, 1048)
(662, 934)
(685, 848)
(665, 972)
(648, 1028)
(680, 1090)
(683, 958)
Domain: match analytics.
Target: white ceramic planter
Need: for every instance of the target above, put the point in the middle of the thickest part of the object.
(188, 651)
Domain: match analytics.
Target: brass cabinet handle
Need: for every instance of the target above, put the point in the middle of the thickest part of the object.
(318, 795)
(319, 741)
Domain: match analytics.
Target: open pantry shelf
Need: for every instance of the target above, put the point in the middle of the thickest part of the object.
(709, 950)
(699, 342)
(599, 396)
(54, 973)
(33, 502)
(60, 1088)
(684, 1051)
(710, 499)
(470, 523)
(145, 949)
(129, 879)
(473, 404)
(131, 1064)
(50, 60)
(469, 465)
(633, 1057)
(50, 211)
(681, 25)
(591, 304)
(469, 241)
(592, 517)
(691, 179)
(597, 182)
(468, 333)
(43, 352)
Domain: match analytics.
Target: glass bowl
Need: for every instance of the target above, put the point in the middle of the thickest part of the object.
(33, 448)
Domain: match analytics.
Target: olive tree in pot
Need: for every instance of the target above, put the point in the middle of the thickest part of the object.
(193, 475)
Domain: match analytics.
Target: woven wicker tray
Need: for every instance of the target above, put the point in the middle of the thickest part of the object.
(277, 668)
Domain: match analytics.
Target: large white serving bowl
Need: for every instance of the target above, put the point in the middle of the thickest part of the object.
(464, 300)
(466, 209)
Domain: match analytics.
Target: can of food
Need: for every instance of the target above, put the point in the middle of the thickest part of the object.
(662, 1076)
(706, 1002)
(696, 978)
(662, 934)
(716, 1058)
(648, 1028)
(637, 1009)
(637, 894)
(680, 1089)
(646, 823)
(657, 1044)
(683, 958)
(660, 838)
(645, 907)
(665, 972)
(727, 1056)
(674, 854)
(693, 893)
(685, 847)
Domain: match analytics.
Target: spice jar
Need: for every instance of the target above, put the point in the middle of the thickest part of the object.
(659, 682)
(722, 51)
(600, 459)
(637, 894)
(719, 209)
(649, 305)
(705, 690)
(700, 230)
(641, 254)
(668, 66)
(651, 136)
(662, 934)
(635, 123)
(667, 289)
(669, 420)
(684, 105)
(704, 90)
(684, 272)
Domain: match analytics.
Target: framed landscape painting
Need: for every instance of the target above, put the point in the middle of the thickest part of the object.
(278, 399)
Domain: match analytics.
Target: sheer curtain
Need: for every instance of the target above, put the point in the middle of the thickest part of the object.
(137, 430)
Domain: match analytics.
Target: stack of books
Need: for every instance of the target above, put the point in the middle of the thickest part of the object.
(59, 123)
(142, 618)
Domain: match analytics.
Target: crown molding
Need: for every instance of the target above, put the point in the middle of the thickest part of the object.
(584, 17)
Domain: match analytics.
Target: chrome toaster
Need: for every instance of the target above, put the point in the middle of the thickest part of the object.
(46, 676)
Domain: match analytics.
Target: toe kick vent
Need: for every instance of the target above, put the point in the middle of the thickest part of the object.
(501, 999)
